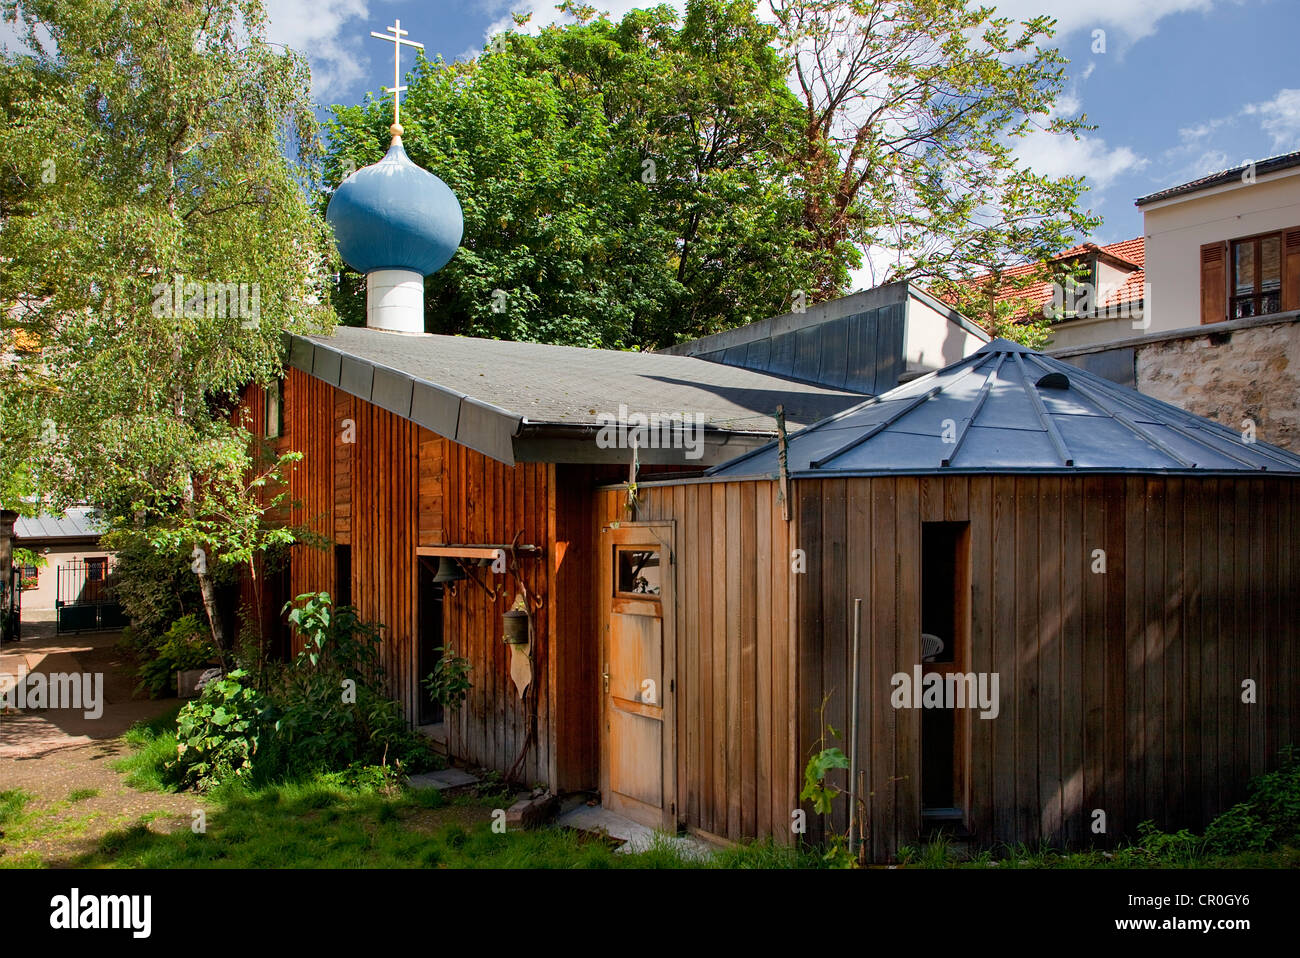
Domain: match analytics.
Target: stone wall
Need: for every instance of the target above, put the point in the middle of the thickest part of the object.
(1228, 372)
(1254, 375)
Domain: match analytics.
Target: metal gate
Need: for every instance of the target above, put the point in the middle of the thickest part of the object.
(84, 601)
(11, 606)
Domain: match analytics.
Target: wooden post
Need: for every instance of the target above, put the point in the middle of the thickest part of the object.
(9, 583)
(853, 731)
(783, 446)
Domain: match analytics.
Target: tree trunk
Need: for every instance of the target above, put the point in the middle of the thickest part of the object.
(210, 606)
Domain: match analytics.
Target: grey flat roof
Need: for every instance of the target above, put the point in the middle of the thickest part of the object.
(1009, 409)
(80, 522)
(497, 396)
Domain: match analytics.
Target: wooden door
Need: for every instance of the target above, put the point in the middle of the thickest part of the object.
(637, 681)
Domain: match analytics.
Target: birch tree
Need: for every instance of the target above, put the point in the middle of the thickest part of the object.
(158, 167)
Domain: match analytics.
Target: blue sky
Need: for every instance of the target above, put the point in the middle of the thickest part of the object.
(1182, 88)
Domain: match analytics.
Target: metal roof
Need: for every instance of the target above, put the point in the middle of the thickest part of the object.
(1007, 408)
(80, 522)
(1272, 164)
(517, 401)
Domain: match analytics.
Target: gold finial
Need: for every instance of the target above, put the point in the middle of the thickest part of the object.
(396, 130)
(397, 88)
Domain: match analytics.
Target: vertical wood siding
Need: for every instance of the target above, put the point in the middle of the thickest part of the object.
(1120, 691)
(396, 486)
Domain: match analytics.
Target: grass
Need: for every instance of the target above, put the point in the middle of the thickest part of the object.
(154, 744)
(940, 853)
(319, 824)
(332, 821)
(23, 821)
(328, 821)
(13, 805)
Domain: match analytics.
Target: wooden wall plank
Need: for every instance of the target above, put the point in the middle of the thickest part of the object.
(1027, 659)
(907, 653)
(1050, 655)
(831, 559)
(1005, 568)
(884, 626)
(1073, 676)
(1089, 630)
(1135, 571)
(720, 664)
(983, 638)
(747, 661)
(761, 512)
(1174, 641)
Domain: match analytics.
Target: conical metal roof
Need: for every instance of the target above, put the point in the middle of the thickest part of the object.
(1007, 408)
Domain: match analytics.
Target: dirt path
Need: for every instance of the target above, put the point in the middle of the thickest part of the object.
(61, 757)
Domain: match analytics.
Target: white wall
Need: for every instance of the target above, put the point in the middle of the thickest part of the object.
(1087, 332)
(933, 337)
(1178, 227)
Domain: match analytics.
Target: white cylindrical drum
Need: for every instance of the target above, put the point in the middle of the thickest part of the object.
(395, 301)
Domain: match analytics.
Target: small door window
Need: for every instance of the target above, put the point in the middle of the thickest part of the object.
(638, 572)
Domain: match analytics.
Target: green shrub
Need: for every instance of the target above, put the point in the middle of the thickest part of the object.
(366, 778)
(1276, 796)
(186, 645)
(217, 735)
(1176, 848)
(1239, 829)
(324, 713)
(332, 711)
(449, 683)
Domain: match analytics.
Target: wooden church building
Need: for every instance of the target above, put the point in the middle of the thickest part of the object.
(657, 592)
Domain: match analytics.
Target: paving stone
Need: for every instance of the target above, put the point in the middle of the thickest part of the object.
(443, 780)
(532, 812)
(634, 836)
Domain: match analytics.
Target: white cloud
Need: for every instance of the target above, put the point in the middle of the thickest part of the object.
(328, 32)
(1280, 118)
(1056, 155)
(1133, 19)
(544, 12)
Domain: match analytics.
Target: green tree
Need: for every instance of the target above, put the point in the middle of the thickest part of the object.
(625, 184)
(157, 237)
(912, 110)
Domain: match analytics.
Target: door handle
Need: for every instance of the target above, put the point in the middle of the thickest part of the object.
(605, 675)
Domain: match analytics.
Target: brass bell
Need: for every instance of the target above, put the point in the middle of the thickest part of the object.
(449, 570)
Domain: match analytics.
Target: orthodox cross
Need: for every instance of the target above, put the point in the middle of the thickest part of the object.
(396, 40)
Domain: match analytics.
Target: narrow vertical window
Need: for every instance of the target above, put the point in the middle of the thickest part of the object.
(945, 640)
(275, 410)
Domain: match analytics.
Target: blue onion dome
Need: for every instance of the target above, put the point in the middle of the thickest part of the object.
(395, 215)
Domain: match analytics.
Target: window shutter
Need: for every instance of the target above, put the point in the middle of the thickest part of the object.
(1214, 282)
(1291, 269)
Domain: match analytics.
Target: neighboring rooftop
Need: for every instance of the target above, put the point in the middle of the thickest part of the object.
(1272, 164)
(80, 522)
(1009, 409)
(1128, 256)
(530, 401)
